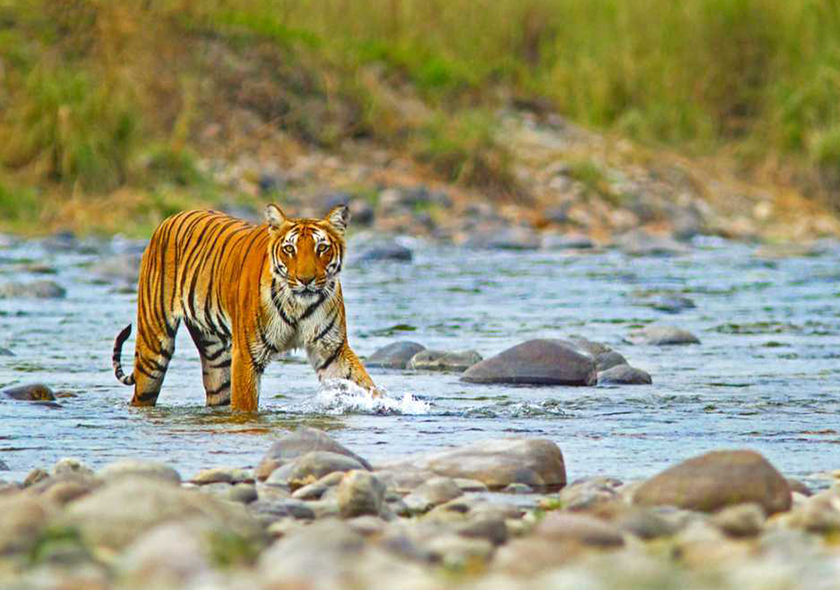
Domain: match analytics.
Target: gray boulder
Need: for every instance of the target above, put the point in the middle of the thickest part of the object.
(496, 463)
(298, 443)
(394, 356)
(29, 393)
(536, 362)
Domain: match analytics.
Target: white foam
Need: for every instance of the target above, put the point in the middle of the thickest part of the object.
(345, 397)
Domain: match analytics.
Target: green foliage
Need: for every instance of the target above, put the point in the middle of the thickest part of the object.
(229, 549)
(465, 148)
(18, 204)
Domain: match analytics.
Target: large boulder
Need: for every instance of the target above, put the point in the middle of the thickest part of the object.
(394, 356)
(29, 393)
(716, 480)
(360, 493)
(536, 362)
(298, 443)
(116, 514)
(496, 463)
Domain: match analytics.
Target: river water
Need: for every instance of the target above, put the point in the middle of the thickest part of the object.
(765, 376)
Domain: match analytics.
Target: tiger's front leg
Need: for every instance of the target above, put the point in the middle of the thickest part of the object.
(245, 377)
(338, 361)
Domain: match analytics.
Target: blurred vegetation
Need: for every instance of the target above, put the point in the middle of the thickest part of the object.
(98, 94)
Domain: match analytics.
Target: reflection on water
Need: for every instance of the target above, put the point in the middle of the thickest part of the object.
(765, 376)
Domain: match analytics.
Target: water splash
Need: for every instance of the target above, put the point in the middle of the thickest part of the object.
(340, 396)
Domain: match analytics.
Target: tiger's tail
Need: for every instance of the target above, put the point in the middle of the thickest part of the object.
(118, 344)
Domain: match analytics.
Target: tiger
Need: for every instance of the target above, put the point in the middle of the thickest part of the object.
(246, 294)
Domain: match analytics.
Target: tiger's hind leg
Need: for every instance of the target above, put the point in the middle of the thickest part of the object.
(215, 366)
(153, 351)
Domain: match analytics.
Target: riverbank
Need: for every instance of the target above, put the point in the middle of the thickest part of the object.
(313, 514)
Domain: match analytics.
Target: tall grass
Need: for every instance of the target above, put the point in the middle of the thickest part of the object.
(86, 89)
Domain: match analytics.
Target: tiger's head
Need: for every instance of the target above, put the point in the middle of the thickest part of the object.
(307, 254)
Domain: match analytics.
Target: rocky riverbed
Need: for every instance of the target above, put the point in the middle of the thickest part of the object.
(492, 514)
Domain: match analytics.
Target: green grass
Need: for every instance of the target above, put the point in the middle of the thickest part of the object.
(91, 88)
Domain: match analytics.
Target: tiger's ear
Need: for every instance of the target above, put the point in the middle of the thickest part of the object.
(274, 216)
(339, 217)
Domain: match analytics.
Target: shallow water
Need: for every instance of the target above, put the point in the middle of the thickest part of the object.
(765, 376)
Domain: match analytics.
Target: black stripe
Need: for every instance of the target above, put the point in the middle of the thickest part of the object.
(224, 364)
(214, 355)
(138, 367)
(151, 395)
(219, 389)
(333, 356)
(326, 330)
(311, 309)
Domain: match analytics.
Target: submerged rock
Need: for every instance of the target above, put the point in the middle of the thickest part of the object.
(624, 375)
(536, 362)
(438, 360)
(641, 243)
(123, 268)
(395, 355)
(6, 352)
(384, 251)
(29, 393)
(658, 335)
(496, 463)
(33, 290)
(716, 480)
(298, 443)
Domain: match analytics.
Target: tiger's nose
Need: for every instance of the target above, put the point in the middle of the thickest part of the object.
(306, 281)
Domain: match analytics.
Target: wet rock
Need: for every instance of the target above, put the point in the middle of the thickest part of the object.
(642, 243)
(117, 513)
(229, 475)
(139, 468)
(799, 487)
(566, 242)
(437, 490)
(6, 352)
(517, 488)
(579, 528)
(315, 490)
(496, 463)
(122, 268)
(490, 528)
(740, 520)
(536, 362)
(395, 355)
(384, 251)
(70, 466)
(438, 360)
(470, 485)
(624, 375)
(33, 290)
(658, 335)
(311, 467)
(360, 493)
(716, 480)
(33, 392)
(298, 443)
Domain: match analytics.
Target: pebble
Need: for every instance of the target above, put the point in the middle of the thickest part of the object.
(310, 467)
(223, 474)
(139, 468)
(298, 443)
(70, 466)
(360, 493)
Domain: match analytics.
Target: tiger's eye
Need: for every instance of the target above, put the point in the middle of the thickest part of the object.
(288, 250)
(323, 248)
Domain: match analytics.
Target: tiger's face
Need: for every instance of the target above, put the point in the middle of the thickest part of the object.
(307, 254)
